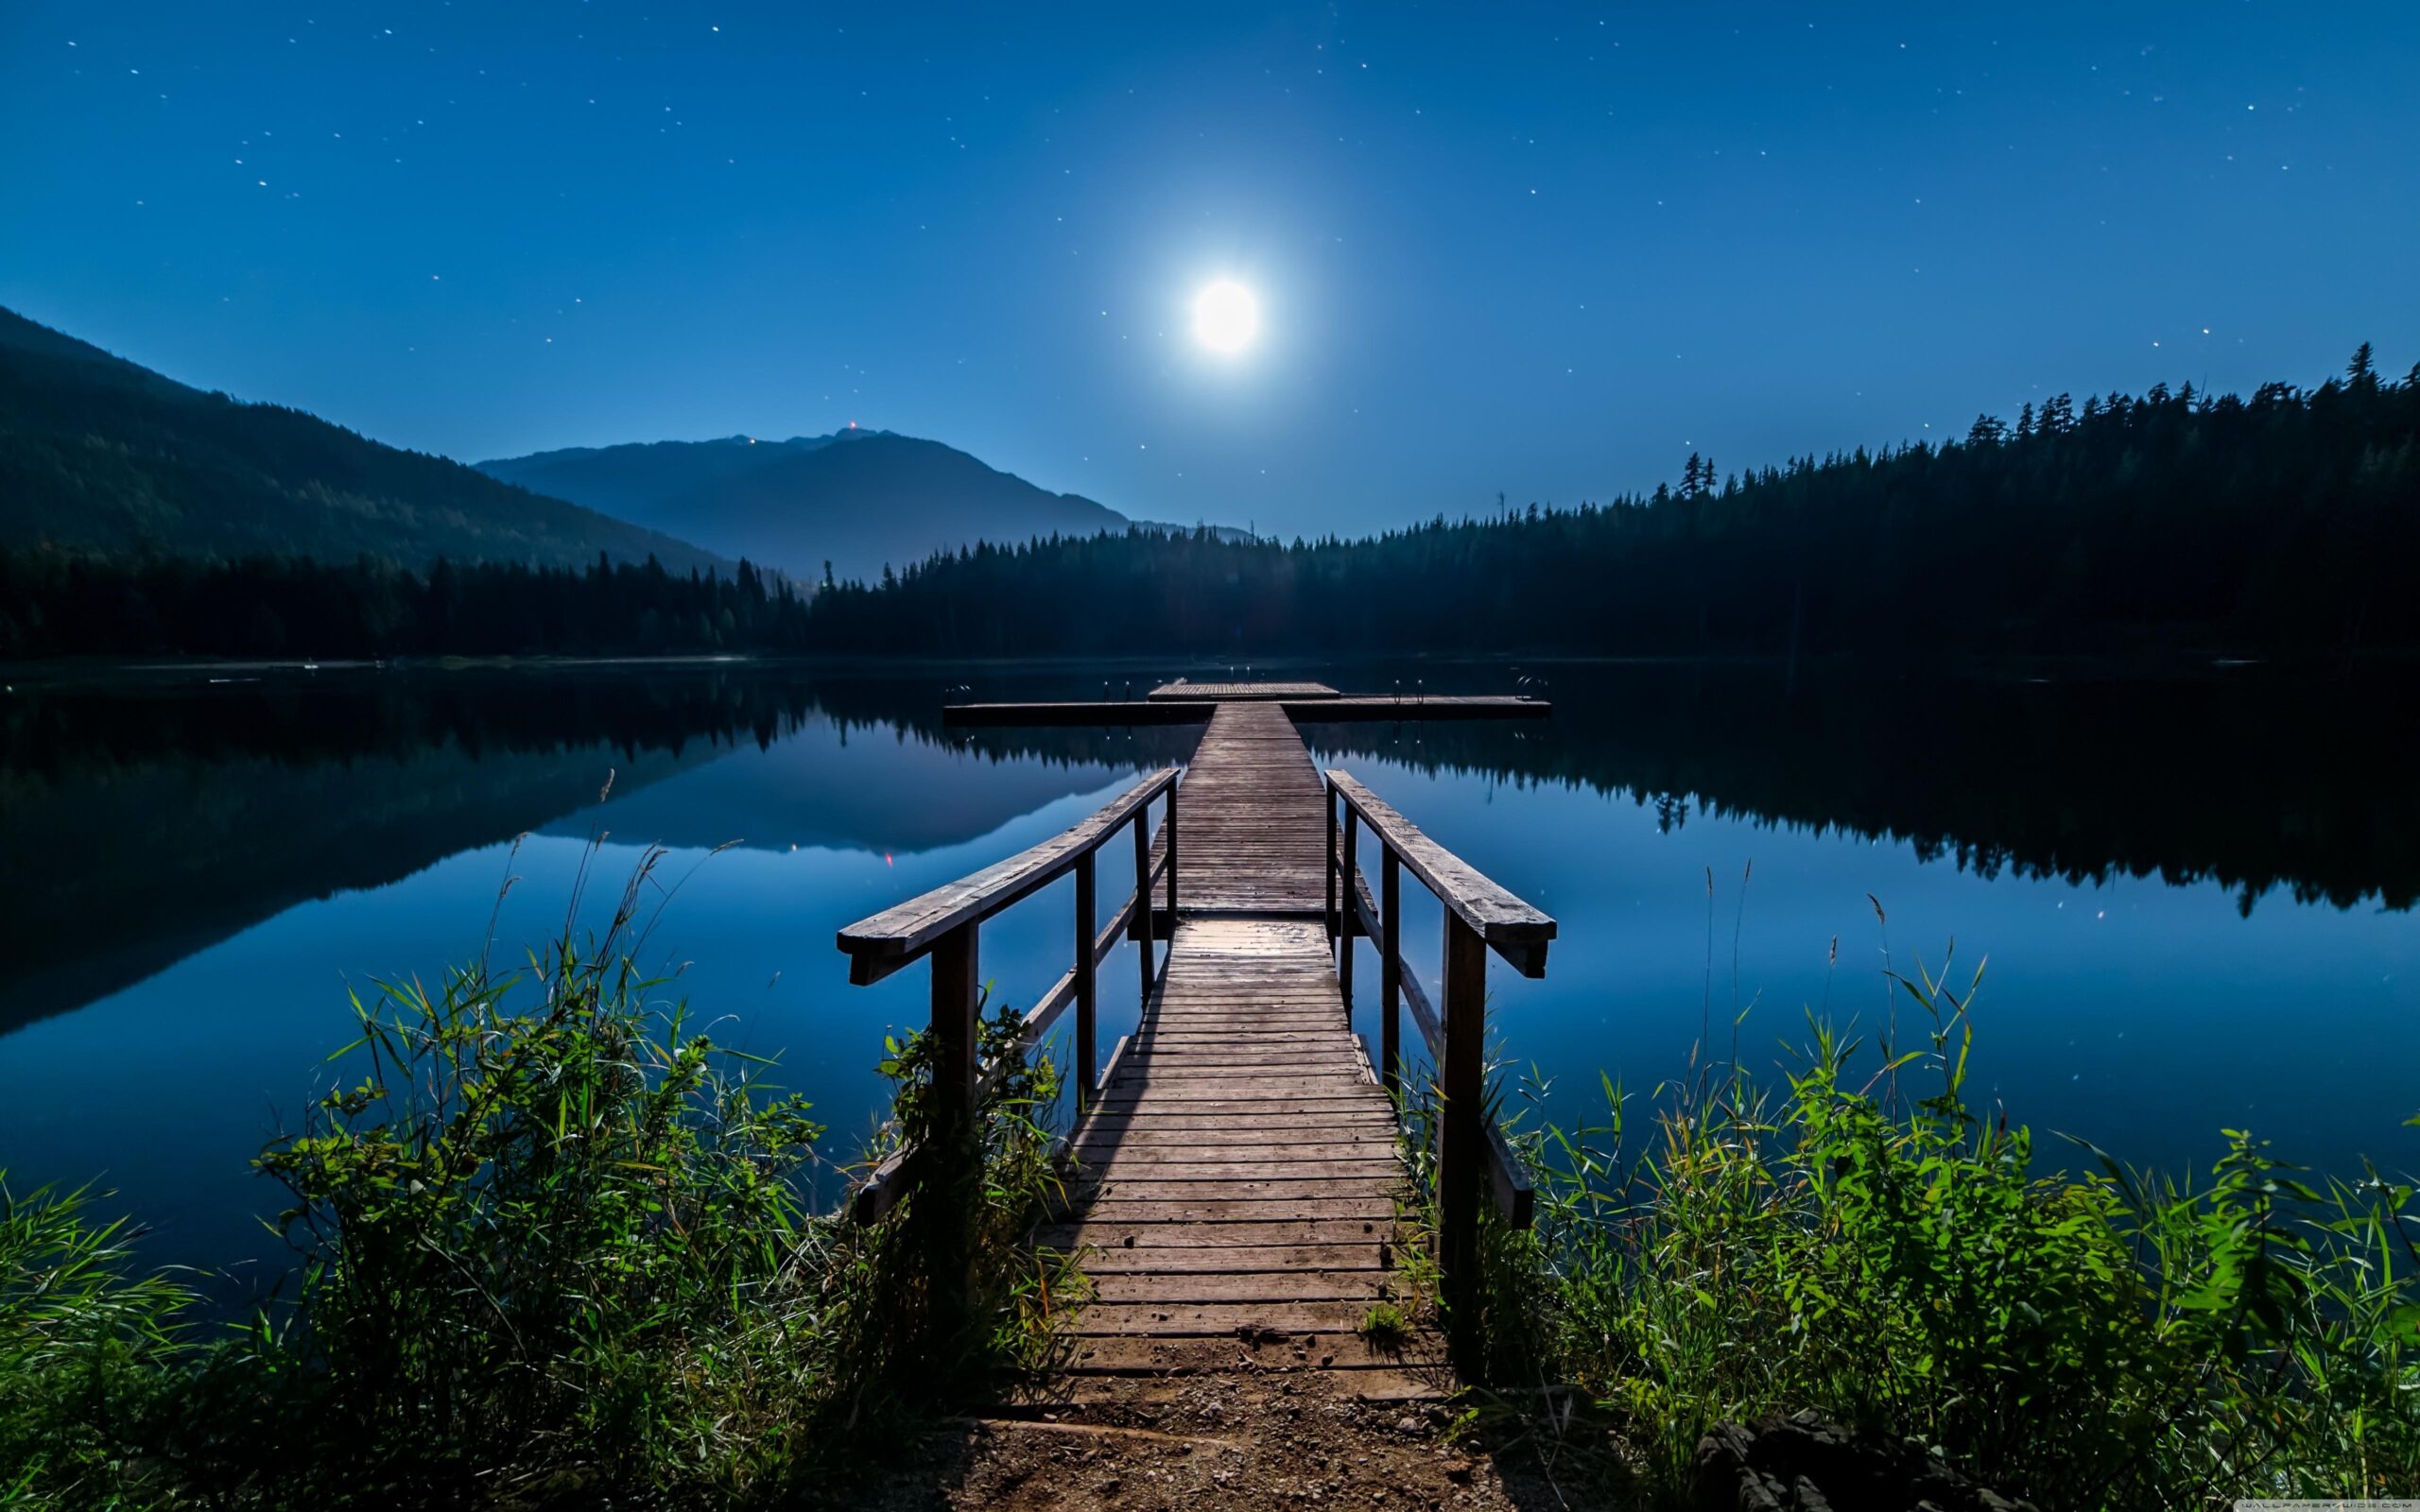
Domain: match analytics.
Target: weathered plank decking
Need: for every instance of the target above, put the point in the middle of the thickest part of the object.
(1240, 692)
(1255, 819)
(1237, 1203)
(1236, 1207)
(1165, 707)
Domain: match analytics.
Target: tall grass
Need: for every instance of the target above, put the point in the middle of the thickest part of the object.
(82, 1339)
(1860, 1240)
(552, 1241)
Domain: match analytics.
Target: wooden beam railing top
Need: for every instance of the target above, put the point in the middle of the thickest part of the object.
(945, 925)
(1480, 917)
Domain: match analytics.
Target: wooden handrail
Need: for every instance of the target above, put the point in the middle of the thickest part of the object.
(1510, 927)
(1046, 1010)
(946, 924)
(1474, 1159)
(896, 937)
(1514, 1198)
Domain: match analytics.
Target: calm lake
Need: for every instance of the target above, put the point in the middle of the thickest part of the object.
(2195, 890)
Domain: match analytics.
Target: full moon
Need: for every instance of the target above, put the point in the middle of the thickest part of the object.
(1225, 317)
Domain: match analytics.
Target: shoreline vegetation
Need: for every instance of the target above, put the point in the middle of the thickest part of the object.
(2284, 522)
(1862, 1240)
(553, 1244)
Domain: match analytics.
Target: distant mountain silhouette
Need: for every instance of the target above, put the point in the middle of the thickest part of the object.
(97, 454)
(858, 499)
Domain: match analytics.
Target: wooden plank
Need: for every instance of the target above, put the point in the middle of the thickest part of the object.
(1509, 926)
(1344, 709)
(1462, 1141)
(1275, 1284)
(1340, 1354)
(1143, 1319)
(1356, 709)
(1238, 692)
(1110, 1188)
(1378, 1167)
(1238, 1258)
(1117, 1207)
(1088, 1234)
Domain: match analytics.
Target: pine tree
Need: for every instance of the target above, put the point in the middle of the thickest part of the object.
(2363, 371)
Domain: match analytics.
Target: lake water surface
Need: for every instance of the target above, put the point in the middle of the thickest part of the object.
(2194, 890)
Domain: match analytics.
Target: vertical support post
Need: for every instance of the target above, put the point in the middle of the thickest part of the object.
(1390, 967)
(1143, 896)
(1330, 806)
(1349, 875)
(1171, 859)
(1086, 988)
(1462, 1142)
(948, 1178)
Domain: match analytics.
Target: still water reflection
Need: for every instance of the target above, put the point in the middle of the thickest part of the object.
(2194, 890)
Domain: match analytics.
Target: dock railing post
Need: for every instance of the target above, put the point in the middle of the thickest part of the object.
(949, 1177)
(1172, 858)
(1462, 1141)
(1330, 806)
(1086, 987)
(1349, 873)
(1143, 896)
(1390, 967)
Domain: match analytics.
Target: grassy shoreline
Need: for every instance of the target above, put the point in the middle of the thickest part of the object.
(553, 1245)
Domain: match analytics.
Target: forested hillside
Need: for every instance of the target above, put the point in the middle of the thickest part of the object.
(2290, 519)
(102, 457)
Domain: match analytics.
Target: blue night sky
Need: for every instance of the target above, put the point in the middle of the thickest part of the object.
(1545, 251)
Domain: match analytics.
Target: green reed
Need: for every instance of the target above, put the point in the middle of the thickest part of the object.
(1866, 1242)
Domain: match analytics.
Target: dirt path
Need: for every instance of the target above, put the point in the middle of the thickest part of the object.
(1240, 1441)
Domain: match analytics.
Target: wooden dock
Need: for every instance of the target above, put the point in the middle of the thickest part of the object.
(1237, 1186)
(1183, 691)
(1174, 710)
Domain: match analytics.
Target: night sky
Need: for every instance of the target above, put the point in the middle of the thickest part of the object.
(1547, 253)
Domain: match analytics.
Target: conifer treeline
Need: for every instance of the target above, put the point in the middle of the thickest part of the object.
(56, 603)
(2287, 520)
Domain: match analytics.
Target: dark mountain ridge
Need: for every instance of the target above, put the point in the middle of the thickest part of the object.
(100, 454)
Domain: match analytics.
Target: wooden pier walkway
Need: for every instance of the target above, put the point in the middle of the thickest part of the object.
(1236, 1207)
(1256, 819)
(1237, 1186)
